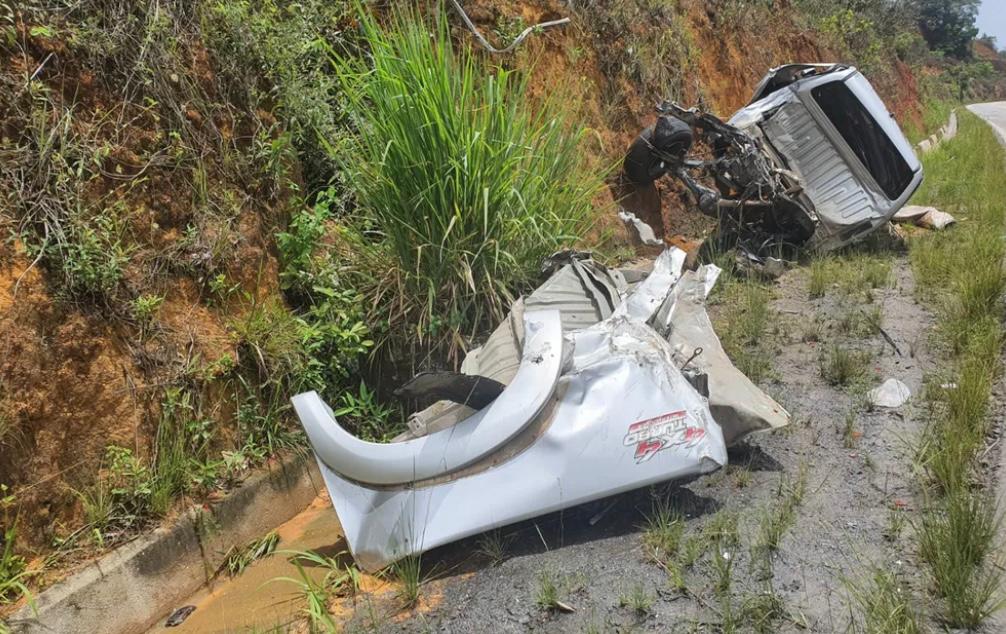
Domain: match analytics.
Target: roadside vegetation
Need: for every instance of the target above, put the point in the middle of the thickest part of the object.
(463, 184)
(961, 273)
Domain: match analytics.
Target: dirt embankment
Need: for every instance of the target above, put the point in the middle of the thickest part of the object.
(80, 373)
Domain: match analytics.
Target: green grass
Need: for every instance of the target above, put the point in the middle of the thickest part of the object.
(463, 183)
(957, 535)
(409, 573)
(884, 605)
(781, 515)
(850, 273)
(551, 591)
(13, 570)
(493, 546)
(743, 324)
(662, 532)
(959, 272)
(339, 579)
(638, 600)
(238, 559)
(843, 366)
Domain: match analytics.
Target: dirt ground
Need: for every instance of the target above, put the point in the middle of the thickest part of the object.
(853, 481)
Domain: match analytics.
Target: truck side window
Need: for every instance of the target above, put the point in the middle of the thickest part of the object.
(865, 137)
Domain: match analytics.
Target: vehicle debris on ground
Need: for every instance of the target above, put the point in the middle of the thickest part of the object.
(890, 393)
(927, 217)
(612, 380)
(815, 161)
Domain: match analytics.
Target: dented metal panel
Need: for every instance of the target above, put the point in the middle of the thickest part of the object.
(840, 199)
(584, 444)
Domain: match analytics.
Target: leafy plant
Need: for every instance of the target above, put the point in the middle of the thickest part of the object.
(371, 419)
(13, 573)
(145, 308)
(237, 559)
(339, 580)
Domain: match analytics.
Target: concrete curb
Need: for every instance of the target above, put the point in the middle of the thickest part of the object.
(945, 133)
(128, 590)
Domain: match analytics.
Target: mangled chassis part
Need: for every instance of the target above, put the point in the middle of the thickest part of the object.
(815, 160)
(618, 416)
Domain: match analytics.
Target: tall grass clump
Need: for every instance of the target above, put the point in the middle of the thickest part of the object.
(463, 182)
(960, 273)
(885, 605)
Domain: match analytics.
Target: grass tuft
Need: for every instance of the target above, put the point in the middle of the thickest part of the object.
(464, 185)
(956, 536)
(843, 366)
(743, 324)
(662, 532)
(638, 600)
(409, 572)
(885, 605)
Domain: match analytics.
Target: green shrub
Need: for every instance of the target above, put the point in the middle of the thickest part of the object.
(463, 183)
(271, 53)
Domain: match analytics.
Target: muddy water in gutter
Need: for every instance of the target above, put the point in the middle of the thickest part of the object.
(256, 600)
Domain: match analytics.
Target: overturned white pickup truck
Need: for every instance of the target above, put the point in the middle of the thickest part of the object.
(599, 382)
(814, 161)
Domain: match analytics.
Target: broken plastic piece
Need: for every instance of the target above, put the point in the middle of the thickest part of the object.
(890, 393)
(644, 232)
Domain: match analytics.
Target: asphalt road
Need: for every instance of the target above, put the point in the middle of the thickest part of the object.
(995, 114)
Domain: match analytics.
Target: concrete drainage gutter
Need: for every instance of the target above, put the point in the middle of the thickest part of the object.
(128, 590)
(945, 133)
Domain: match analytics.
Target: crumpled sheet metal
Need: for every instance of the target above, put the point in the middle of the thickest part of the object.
(583, 292)
(737, 404)
(585, 445)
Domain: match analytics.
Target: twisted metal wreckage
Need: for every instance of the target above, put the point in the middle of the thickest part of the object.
(814, 161)
(609, 381)
(606, 380)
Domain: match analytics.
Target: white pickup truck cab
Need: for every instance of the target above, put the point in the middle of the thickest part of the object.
(825, 123)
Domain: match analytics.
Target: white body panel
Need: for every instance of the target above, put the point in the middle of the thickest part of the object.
(621, 416)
